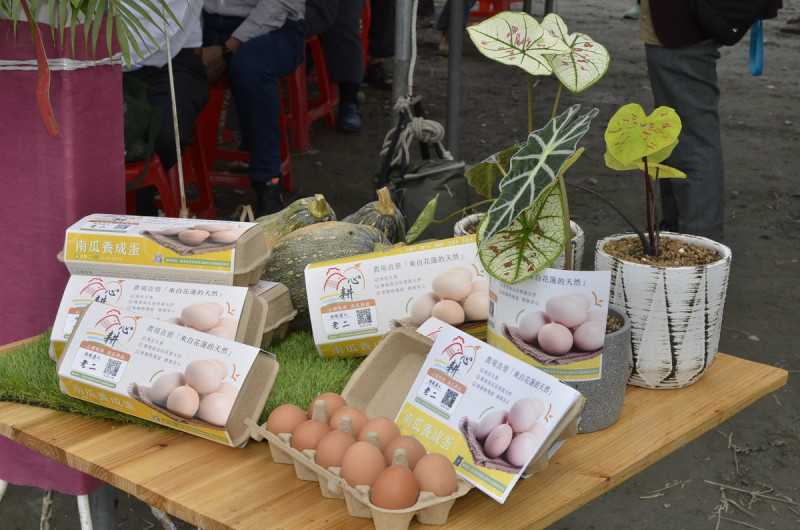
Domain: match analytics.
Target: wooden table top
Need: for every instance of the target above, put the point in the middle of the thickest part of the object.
(214, 486)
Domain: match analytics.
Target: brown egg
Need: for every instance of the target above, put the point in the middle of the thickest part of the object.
(386, 429)
(229, 389)
(362, 463)
(448, 311)
(221, 366)
(332, 401)
(193, 237)
(225, 333)
(284, 418)
(422, 307)
(451, 285)
(308, 434)
(163, 385)
(555, 339)
(395, 488)
(332, 447)
(476, 306)
(358, 418)
(530, 325)
(413, 447)
(479, 286)
(216, 305)
(435, 473)
(566, 310)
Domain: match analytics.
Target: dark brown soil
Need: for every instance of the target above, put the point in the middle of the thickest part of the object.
(672, 252)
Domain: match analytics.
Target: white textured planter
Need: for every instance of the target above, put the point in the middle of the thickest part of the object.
(675, 313)
(460, 229)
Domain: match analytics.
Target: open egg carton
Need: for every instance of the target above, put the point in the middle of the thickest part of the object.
(379, 387)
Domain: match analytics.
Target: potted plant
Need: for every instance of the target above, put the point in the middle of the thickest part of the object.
(578, 62)
(672, 286)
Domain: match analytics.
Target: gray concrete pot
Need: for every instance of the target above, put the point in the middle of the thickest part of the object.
(604, 396)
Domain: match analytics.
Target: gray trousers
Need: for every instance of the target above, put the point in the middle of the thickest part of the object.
(686, 80)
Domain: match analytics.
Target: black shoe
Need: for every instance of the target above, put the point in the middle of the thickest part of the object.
(349, 118)
(268, 198)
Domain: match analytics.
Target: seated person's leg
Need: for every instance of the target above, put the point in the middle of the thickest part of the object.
(255, 70)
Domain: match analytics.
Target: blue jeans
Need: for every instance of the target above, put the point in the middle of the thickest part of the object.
(255, 70)
(686, 80)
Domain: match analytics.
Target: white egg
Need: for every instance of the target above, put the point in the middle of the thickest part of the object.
(225, 333)
(479, 286)
(229, 389)
(203, 375)
(421, 308)
(463, 270)
(201, 317)
(163, 385)
(215, 408)
(489, 422)
(226, 236)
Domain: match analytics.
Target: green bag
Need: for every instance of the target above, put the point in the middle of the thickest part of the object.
(421, 181)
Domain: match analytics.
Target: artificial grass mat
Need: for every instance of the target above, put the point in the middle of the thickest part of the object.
(28, 375)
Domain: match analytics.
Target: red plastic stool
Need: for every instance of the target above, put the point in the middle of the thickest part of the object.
(303, 110)
(195, 170)
(156, 176)
(210, 127)
(366, 20)
(489, 8)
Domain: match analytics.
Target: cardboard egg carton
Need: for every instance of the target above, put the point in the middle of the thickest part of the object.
(379, 387)
(429, 509)
(279, 310)
(129, 246)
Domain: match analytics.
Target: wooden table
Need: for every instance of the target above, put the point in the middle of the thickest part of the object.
(213, 486)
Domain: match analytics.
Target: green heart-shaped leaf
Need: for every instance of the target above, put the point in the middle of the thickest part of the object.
(657, 171)
(516, 38)
(533, 241)
(485, 173)
(535, 166)
(585, 62)
(632, 135)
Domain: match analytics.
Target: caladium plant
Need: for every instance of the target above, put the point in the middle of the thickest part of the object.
(526, 228)
(635, 140)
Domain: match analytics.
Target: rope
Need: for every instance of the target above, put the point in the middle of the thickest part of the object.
(413, 60)
(179, 165)
(59, 63)
(426, 131)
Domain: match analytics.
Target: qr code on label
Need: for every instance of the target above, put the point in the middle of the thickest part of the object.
(158, 259)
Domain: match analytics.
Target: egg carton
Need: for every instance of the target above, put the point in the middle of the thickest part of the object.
(429, 509)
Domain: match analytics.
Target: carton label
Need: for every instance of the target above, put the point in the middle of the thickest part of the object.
(151, 248)
(488, 412)
(354, 301)
(158, 299)
(136, 364)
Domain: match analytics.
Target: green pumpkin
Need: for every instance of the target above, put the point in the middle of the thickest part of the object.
(384, 215)
(302, 212)
(318, 242)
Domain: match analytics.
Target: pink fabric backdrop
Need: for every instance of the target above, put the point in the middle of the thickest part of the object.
(46, 184)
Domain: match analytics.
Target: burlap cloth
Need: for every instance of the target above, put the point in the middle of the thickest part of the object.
(408, 323)
(142, 393)
(545, 359)
(182, 249)
(468, 429)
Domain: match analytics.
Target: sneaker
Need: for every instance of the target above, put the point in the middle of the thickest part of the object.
(348, 119)
(268, 198)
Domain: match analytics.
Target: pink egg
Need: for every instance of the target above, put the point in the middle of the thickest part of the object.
(497, 441)
(590, 336)
(449, 311)
(215, 408)
(522, 448)
(524, 413)
(566, 310)
(530, 325)
(555, 339)
(489, 422)
(203, 375)
(183, 401)
(476, 306)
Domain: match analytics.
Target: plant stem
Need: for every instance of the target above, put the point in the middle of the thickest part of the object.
(650, 200)
(638, 232)
(565, 206)
(464, 210)
(529, 78)
(558, 97)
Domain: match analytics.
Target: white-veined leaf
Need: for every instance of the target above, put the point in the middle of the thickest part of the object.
(516, 38)
(535, 166)
(585, 62)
